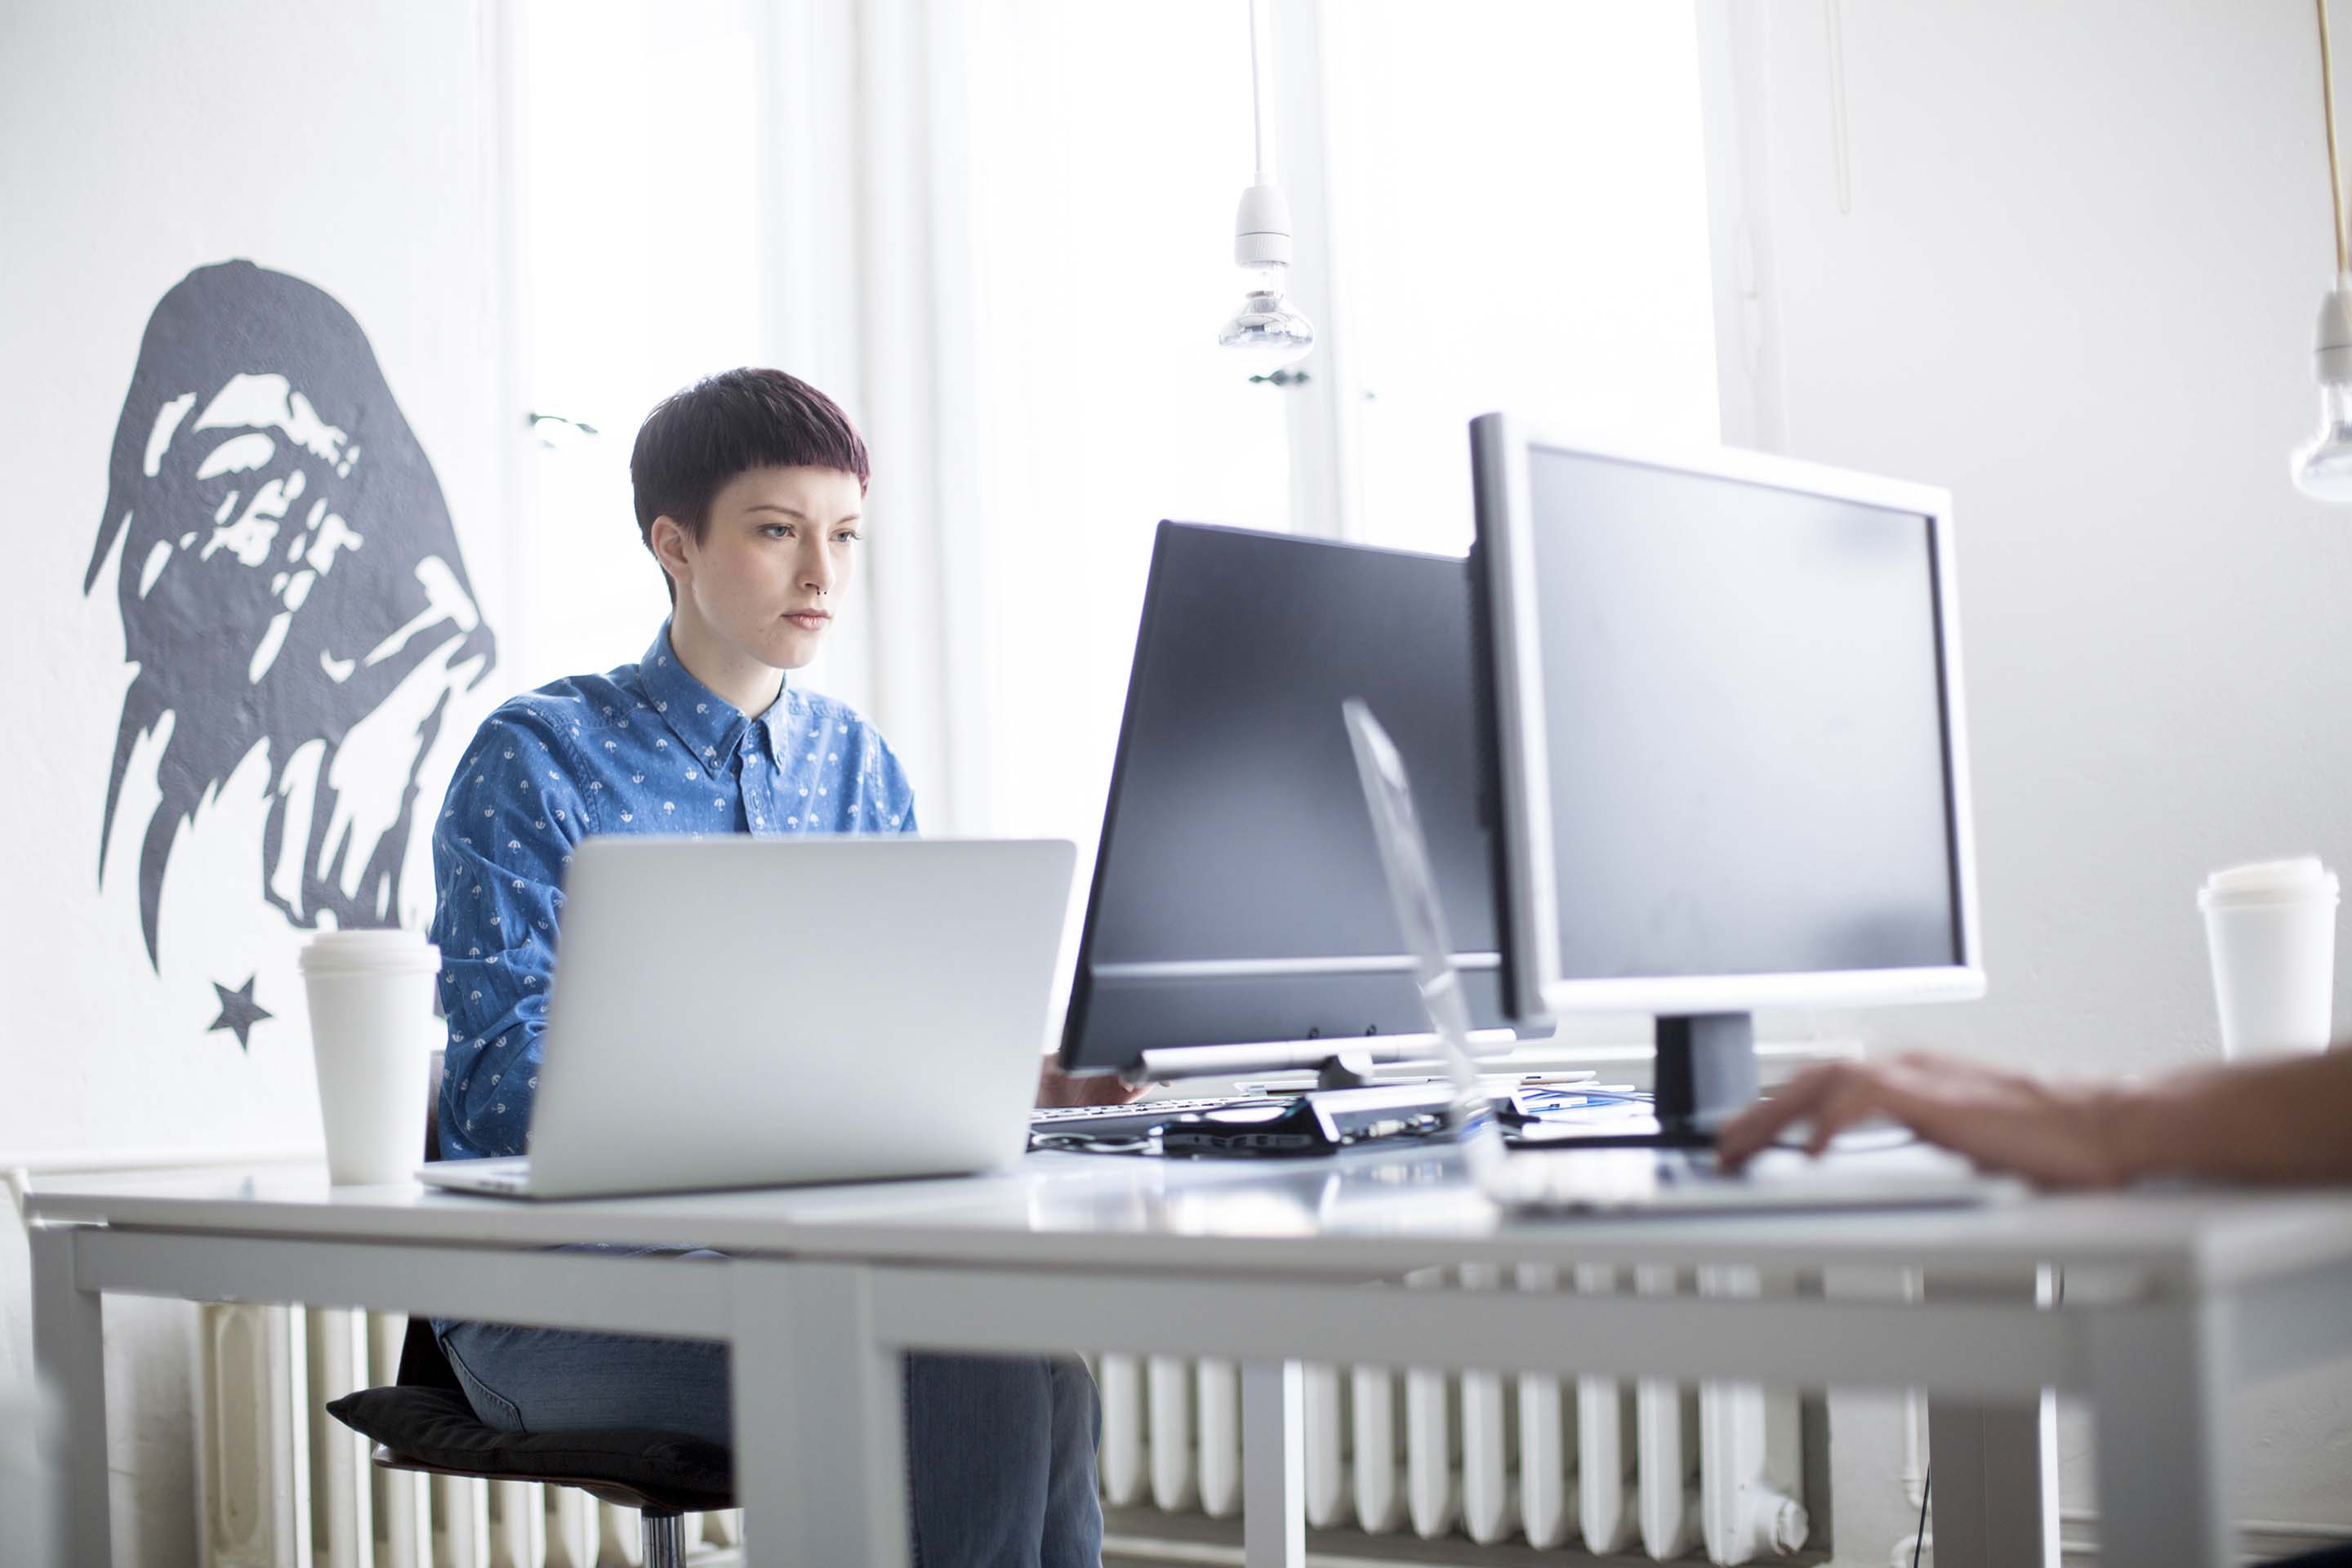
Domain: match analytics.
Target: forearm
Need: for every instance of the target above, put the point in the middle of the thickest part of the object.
(2285, 1120)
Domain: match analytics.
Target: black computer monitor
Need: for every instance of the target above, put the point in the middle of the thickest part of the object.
(1732, 759)
(1238, 919)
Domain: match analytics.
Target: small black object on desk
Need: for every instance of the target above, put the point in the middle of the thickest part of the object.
(1345, 1109)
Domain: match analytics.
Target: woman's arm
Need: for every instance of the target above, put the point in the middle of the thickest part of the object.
(515, 811)
(2288, 1120)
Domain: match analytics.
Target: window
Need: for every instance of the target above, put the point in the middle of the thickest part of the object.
(1108, 146)
(642, 273)
(1518, 220)
(1520, 214)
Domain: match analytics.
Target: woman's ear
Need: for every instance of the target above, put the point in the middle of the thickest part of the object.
(671, 543)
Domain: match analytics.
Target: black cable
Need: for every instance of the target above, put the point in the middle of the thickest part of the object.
(1926, 1486)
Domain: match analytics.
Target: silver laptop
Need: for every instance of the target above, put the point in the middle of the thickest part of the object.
(737, 1012)
(1587, 1181)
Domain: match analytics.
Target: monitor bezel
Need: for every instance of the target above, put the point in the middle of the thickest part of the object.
(1526, 883)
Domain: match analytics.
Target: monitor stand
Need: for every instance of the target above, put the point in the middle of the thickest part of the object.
(1703, 1076)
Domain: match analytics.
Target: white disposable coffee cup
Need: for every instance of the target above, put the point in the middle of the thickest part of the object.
(2269, 927)
(372, 1030)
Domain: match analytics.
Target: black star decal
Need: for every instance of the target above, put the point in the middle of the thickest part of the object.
(238, 1011)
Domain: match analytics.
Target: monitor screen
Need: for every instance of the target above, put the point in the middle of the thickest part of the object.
(1237, 893)
(1743, 695)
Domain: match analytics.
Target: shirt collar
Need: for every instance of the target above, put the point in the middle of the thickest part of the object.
(710, 726)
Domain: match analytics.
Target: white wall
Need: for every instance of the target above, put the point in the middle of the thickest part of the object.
(354, 147)
(347, 147)
(2070, 271)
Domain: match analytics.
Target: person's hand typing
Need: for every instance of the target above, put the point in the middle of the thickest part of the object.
(2055, 1134)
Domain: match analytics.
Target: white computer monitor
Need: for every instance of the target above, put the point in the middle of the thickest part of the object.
(1730, 738)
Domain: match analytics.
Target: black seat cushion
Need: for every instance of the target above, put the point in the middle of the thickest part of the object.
(435, 1429)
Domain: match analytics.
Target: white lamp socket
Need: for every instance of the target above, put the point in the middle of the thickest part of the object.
(1261, 228)
(2331, 354)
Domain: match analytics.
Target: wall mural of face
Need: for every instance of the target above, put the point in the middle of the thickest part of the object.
(289, 580)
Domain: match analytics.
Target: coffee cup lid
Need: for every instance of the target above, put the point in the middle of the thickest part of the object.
(373, 949)
(2269, 882)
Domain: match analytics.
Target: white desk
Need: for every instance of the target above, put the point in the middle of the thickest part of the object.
(2172, 1300)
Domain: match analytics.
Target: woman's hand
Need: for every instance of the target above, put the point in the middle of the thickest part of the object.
(1056, 1088)
(2055, 1134)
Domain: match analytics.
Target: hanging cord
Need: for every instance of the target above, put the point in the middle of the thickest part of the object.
(2327, 100)
(1926, 1484)
(1261, 60)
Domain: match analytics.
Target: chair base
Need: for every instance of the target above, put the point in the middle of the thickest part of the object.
(661, 1533)
(665, 1540)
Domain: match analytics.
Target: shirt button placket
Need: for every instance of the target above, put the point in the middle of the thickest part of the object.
(747, 766)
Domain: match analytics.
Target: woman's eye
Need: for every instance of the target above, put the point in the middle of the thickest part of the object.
(847, 536)
(778, 531)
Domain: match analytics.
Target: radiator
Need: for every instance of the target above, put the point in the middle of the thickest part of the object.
(1613, 1467)
(282, 1484)
(1607, 1464)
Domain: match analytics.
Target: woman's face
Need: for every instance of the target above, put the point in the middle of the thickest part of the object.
(774, 560)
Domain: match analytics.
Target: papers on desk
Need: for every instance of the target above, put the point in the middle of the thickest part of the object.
(1579, 1103)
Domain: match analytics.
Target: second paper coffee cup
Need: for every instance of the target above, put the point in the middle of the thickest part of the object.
(372, 1030)
(2270, 930)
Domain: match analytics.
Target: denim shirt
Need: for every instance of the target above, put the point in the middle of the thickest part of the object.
(644, 749)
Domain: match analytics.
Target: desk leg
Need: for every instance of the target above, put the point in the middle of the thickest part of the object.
(1994, 1467)
(2160, 1414)
(1995, 1492)
(820, 1417)
(1273, 1464)
(70, 1362)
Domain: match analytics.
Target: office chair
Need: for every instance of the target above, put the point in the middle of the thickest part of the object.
(424, 1423)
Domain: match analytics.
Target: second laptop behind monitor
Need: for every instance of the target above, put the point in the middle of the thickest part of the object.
(1238, 921)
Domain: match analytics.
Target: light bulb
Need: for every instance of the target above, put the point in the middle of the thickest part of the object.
(2323, 466)
(1268, 332)
(1266, 329)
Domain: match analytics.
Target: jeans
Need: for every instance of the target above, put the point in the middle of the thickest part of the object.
(1000, 1450)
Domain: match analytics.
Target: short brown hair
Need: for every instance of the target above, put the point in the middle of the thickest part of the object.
(698, 438)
